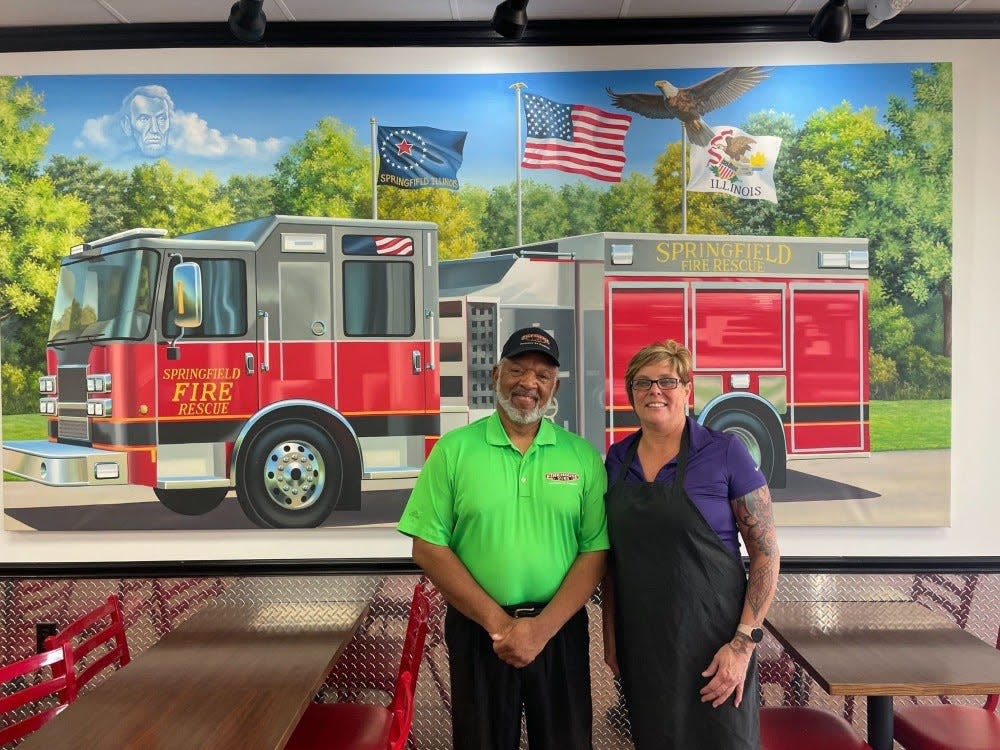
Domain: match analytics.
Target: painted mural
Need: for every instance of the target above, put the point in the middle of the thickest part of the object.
(231, 301)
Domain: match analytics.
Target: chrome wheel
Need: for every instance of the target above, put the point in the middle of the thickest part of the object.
(294, 474)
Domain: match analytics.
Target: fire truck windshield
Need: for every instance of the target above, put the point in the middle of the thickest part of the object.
(105, 297)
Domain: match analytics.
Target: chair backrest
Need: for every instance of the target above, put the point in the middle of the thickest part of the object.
(29, 685)
(401, 706)
(101, 628)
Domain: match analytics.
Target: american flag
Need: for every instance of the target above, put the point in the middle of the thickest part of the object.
(393, 246)
(574, 138)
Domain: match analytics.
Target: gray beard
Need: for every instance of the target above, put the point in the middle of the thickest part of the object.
(517, 415)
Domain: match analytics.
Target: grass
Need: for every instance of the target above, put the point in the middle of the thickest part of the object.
(895, 426)
(910, 425)
(23, 427)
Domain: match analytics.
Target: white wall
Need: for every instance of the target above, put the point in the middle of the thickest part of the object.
(975, 407)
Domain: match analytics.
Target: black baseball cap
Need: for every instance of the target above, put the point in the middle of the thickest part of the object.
(531, 339)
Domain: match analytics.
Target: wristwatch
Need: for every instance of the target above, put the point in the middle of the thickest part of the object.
(754, 634)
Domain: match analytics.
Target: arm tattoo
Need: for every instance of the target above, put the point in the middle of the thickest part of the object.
(756, 523)
(741, 644)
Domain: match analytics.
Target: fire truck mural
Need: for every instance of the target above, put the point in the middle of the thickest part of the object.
(280, 370)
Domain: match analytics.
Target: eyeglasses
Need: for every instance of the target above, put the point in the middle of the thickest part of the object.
(666, 384)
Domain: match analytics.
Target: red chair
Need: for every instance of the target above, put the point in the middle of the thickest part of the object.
(800, 727)
(97, 641)
(360, 726)
(31, 685)
(368, 662)
(946, 726)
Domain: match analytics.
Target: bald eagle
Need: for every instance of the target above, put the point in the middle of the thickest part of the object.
(690, 103)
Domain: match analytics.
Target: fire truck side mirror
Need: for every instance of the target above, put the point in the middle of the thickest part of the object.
(186, 280)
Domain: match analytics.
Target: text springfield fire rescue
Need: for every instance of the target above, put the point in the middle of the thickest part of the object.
(202, 390)
(723, 257)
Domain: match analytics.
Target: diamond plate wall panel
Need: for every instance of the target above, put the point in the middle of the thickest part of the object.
(153, 607)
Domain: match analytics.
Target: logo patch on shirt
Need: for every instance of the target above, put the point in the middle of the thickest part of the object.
(562, 476)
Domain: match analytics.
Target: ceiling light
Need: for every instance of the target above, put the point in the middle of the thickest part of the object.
(883, 10)
(247, 20)
(510, 18)
(832, 23)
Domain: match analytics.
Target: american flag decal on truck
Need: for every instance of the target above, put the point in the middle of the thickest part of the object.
(367, 244)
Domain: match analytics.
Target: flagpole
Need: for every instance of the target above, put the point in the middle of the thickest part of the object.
(684, 180)
(517, 156)
(374, 138)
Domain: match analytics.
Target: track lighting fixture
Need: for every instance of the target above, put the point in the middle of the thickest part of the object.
(510, 18)
(247, 20)
(832, 23)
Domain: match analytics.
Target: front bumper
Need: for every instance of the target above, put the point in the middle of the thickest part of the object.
(59, 465)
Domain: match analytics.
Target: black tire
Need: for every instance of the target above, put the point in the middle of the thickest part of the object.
(289, 475)
(196, 502)
(765, 444)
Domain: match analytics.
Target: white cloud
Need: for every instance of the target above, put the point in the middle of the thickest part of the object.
(189, 135)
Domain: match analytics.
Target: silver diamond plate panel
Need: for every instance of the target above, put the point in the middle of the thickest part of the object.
(153, 607)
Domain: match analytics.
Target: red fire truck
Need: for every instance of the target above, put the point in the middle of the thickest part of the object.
(777, 326)
(310, 363)
(291, 358)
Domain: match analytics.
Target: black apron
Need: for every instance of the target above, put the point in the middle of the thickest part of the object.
(678, 597)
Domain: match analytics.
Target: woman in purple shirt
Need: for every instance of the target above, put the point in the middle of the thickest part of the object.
(681, 618)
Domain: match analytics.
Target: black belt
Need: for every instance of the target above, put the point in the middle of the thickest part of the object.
(528, 609)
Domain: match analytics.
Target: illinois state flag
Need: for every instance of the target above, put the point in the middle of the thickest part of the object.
(737, 163)
(574, 138)
(415, 156)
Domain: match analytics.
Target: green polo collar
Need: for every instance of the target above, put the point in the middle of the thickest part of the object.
(497, 435)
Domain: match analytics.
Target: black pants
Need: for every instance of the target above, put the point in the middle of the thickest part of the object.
(488, 695)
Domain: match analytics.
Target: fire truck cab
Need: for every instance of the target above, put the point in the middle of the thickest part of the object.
(291, 358)
(777, 327)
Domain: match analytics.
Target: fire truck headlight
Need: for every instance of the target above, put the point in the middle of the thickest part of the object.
(99, 383)
(47, 406)
(99, 407)
(47, 384)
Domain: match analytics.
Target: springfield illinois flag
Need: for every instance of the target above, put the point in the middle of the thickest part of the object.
(415, 157)
(737, 163)
(574, 138)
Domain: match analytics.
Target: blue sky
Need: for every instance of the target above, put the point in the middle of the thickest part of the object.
(241, 123)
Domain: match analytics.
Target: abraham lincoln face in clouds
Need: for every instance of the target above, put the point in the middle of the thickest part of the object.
(145, 117)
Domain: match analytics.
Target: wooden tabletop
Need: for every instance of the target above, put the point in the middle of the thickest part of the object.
(232, 676)
(884, 648)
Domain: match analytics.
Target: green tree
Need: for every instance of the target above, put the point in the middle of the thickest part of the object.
(837, 155)
(706, 212)
(543, 215)
(177, 200)
(907, 209)
(37, 227)
(100, 187)
(474, 200)
(582, 206)
(456, 226)
(327, 172)
(629, 206)
(250, 196)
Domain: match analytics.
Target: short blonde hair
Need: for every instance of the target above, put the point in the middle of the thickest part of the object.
(668, 350)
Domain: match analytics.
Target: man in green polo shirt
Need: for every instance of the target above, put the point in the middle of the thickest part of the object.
(507, 519)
